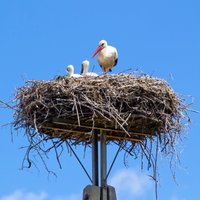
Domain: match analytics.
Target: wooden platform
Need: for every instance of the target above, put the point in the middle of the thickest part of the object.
(82, 131)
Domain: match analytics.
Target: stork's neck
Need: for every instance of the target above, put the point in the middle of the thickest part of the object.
(84, 70)
(71, 72)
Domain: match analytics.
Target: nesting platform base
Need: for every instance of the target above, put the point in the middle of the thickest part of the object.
(92, 192)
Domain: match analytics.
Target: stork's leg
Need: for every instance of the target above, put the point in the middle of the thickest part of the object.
(104, 70)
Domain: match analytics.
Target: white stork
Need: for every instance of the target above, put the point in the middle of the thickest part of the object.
(85, 68)
(107, 56)
(70, 72)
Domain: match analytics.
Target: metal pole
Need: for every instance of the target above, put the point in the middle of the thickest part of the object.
(103, 165)
(95, 170)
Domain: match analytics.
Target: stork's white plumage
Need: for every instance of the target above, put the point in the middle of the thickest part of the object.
(85, 69)
(107, 56)
(70, 72)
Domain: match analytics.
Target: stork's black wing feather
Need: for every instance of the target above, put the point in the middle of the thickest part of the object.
(116, 61)
(81, 68)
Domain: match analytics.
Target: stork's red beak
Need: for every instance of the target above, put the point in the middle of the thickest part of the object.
(96, 52)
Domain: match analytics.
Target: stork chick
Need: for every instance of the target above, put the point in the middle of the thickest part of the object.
(85, 69)
(70, 72)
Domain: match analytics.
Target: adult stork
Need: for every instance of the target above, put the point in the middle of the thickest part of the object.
(70, 72)
(107, 56)
(85, 69)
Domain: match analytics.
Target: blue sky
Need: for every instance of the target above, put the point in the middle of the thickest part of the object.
(39, 38)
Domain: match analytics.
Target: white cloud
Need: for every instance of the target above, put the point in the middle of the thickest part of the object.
(129, 184)
(176, 198)
(70, 197)
(19, 195)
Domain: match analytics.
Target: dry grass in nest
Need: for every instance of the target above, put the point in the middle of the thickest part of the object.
(135, 112)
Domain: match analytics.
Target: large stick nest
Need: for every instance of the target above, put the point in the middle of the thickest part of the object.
(127, 107)
(140, 113)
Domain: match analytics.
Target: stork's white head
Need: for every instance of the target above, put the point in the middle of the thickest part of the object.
(85, 67)
(70, 70)
(102, 44)
(86, 63)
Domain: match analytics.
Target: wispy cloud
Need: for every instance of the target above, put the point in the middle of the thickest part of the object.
(129, 184)
(19, 195)
(69, 197)
(176, 198)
